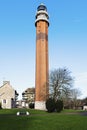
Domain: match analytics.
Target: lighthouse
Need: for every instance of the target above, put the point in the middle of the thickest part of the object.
(42, 64)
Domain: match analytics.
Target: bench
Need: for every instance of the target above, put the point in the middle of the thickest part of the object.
(22, 113)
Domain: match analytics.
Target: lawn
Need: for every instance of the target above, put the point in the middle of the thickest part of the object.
(40, 120)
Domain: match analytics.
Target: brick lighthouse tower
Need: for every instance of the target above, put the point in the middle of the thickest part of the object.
(42, 69)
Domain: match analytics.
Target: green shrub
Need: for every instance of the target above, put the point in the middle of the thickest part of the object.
(59, 105)
(31, 105)
(50, 105)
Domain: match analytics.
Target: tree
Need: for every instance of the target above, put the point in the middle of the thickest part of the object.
(60, 81)
(84, 101)
(75, 93)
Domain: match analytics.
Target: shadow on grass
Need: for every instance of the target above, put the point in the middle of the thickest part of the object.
(13, 122)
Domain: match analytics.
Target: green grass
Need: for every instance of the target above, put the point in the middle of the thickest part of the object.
(40, 120)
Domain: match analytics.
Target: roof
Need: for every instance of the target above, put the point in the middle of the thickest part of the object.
(29, 90)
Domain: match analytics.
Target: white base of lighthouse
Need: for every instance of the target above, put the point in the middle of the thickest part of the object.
(40, 105)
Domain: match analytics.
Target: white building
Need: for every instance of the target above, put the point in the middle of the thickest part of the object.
(28, 97)
(85, 107)
(8, 95)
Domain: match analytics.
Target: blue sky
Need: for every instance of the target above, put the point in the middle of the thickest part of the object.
(67, 40)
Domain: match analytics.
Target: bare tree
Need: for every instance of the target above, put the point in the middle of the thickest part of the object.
(75, 93)
(60, 81)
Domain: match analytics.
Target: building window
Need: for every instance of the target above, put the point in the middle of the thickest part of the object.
(4, 100)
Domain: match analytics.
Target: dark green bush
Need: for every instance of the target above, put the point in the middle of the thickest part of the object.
(50, 105)
(59, 105)
(31, 105)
